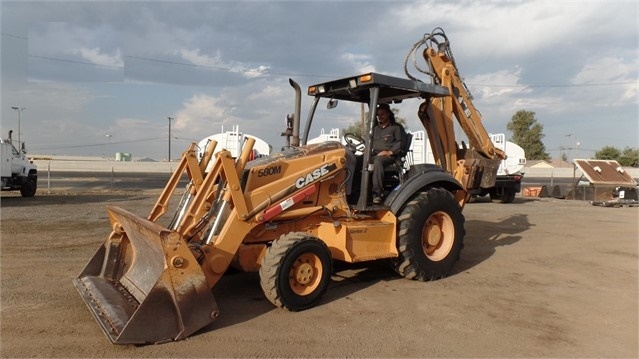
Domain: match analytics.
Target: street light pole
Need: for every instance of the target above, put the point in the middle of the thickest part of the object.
(567, 148)
(109, 139)
(170, 119)
(19, 109)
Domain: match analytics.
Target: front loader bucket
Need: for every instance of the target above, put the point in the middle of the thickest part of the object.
(144, 285)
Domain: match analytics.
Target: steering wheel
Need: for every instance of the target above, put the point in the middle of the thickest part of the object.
(354, 142)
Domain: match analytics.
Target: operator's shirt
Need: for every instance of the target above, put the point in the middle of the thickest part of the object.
(389, 138)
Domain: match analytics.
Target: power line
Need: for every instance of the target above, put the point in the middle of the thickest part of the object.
(35, 148)
(178, 63)
(223, 68)
(170, 62)
(74, 61)
(15, 36)
(232, 69)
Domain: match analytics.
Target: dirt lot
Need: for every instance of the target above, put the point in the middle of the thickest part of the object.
(537, 278)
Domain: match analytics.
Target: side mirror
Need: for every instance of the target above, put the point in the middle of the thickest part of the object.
(23, 148)
(332, 103)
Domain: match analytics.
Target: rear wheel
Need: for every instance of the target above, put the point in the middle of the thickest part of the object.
(507, 196)
(296, 271)
(431, 234)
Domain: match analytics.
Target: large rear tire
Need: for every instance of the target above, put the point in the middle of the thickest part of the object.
(296, 271)
(430, 237)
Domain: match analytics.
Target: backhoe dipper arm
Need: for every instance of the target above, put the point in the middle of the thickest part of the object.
(474, 166)
(467, 115)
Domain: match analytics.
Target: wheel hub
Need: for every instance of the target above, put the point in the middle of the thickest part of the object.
(438, 236)
(434, 235)
(304, 273)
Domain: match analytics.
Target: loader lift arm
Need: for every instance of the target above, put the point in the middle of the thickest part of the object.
(145, 270)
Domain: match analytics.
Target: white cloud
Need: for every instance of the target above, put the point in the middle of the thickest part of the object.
(200, 114)
(98, 57)
(498, 95)
(496, 29)
(215, 61)
(359, 63)
(617, 77)
(605, 69)
(256, 72)
(196, 58)
(498, 84)
(267, 94)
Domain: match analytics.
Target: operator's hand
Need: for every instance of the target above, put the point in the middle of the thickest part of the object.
(386, 153)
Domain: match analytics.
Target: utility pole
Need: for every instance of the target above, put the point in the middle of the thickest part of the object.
(19, 109)
(568, 136)
(170, 119)
(109, 140)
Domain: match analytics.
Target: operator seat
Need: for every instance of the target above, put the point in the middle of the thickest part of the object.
(394, 172)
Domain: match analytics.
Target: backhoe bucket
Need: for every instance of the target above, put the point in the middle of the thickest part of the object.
(144, 285)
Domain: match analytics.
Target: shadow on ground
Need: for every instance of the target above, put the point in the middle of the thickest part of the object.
(483, 237)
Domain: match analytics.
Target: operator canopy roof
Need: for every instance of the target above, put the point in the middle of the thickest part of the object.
(391, 89)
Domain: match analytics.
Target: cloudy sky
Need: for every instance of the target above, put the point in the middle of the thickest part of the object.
(84, 70)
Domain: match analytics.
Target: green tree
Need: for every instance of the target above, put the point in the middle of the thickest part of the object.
(527, 133)
(358, 127)
(608, 153)
(628, 157)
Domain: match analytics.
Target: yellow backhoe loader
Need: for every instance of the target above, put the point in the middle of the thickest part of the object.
(288, 215)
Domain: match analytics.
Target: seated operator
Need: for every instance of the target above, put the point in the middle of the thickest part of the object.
(388, 137)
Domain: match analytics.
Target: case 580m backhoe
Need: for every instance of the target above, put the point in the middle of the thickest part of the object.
(288, 216)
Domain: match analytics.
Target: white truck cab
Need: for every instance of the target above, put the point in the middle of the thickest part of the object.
(18, 173)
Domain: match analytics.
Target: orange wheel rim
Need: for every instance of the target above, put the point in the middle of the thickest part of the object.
(305, 274)
(438, 236)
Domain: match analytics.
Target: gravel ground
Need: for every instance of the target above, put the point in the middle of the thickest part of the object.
(537, 278)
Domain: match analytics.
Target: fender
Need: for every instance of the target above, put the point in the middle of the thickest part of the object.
(418, 178)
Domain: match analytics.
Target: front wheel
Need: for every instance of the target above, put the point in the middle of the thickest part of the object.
(296, 271)
(28, 187)
(431, 234)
